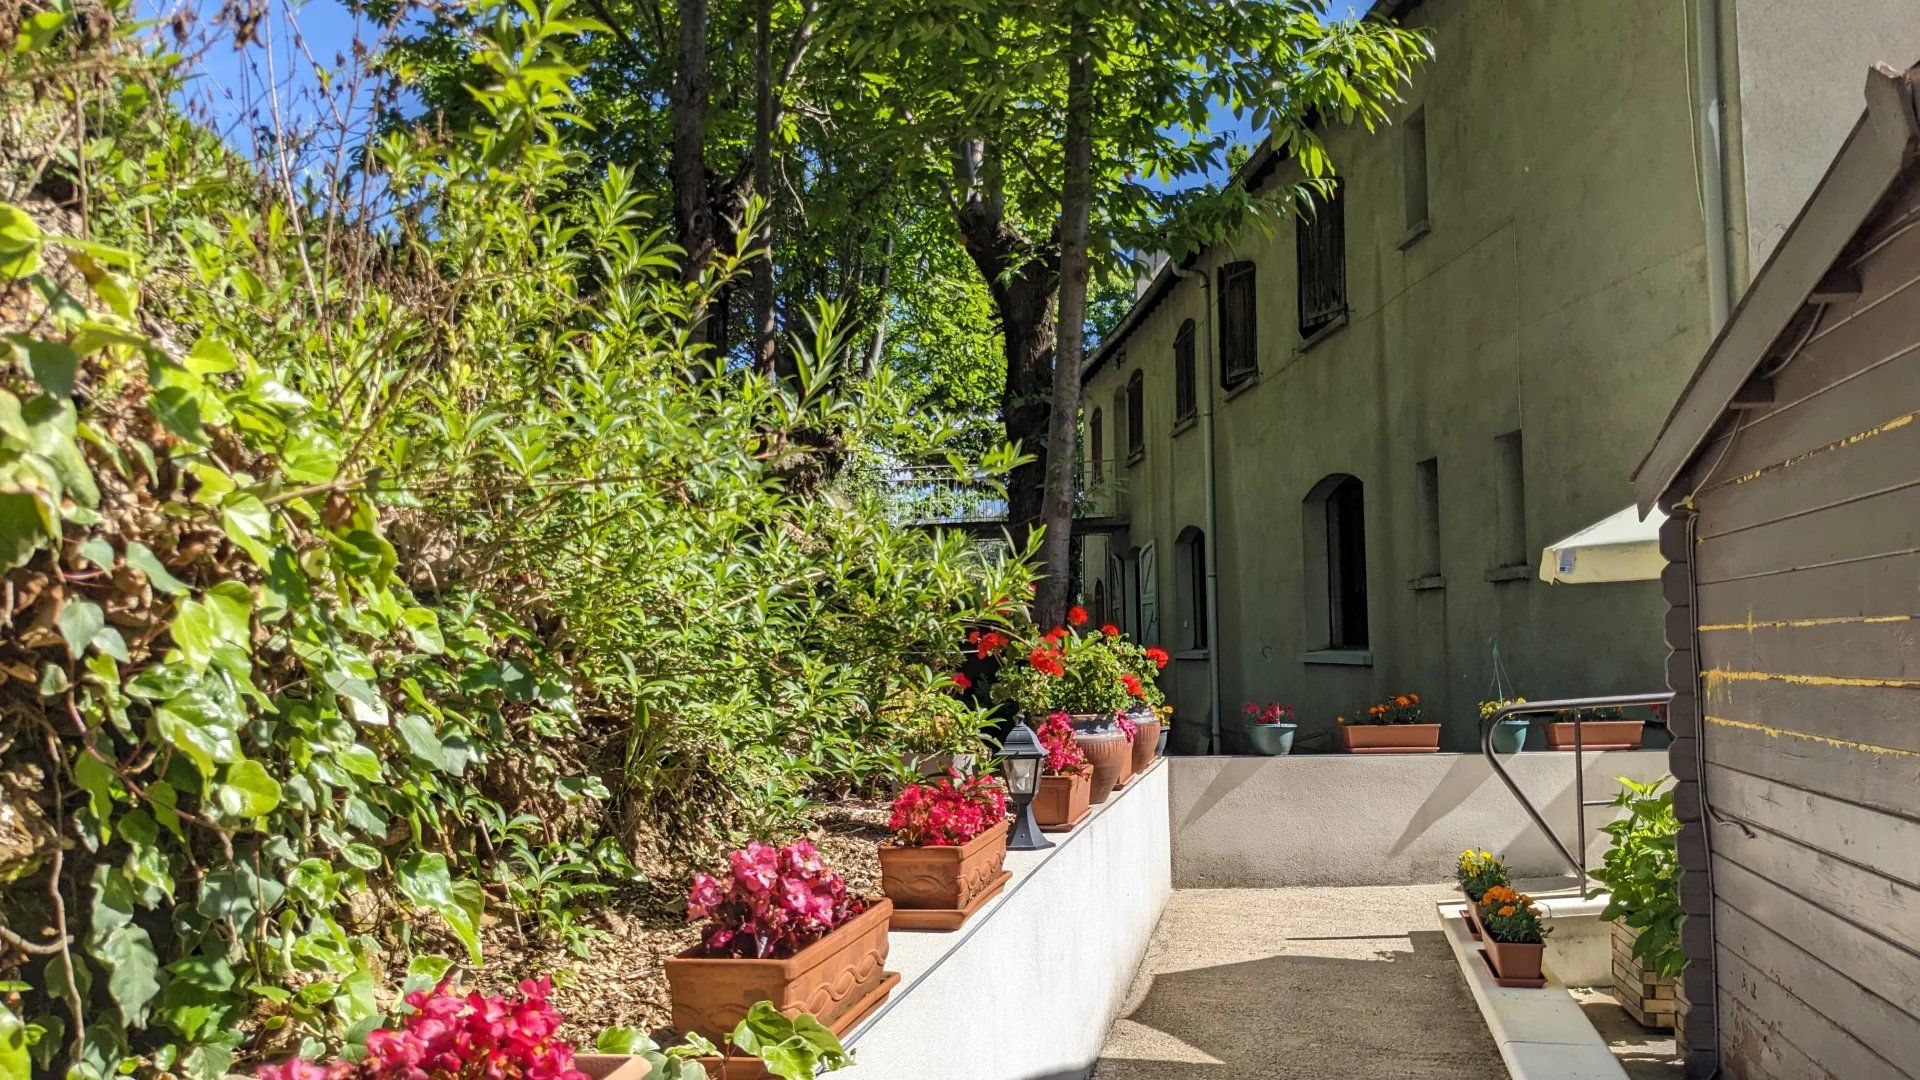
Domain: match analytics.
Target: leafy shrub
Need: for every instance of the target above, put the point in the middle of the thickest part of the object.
(1641, 872)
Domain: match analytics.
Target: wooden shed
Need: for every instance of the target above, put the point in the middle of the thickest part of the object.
(1791, 469)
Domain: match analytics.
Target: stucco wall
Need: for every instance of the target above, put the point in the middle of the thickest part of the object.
(1045, 968)
(1398, 819)
(1802, 65)
(1561, 292)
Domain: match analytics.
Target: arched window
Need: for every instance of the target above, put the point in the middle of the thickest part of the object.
(1136, 415)
(1335, 539)
(1186, 403)
(1095, 447)
(1190, 587)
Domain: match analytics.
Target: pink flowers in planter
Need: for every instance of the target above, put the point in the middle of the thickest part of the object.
(1127, 726)
(490, 1036)
(946, 814)
(1064, 756)
(772, 903)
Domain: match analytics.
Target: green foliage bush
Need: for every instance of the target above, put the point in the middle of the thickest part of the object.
(1641, 872)
(365, 555)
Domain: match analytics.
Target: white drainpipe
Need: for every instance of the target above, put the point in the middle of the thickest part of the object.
(1718, 143)
(1207, 364)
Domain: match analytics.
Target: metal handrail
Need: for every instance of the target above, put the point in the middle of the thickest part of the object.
(1489, 722)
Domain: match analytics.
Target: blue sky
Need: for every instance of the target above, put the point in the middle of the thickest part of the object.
(303, 34)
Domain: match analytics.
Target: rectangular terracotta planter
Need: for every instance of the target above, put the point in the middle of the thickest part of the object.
(1390, 738)
(1063, 800)
(945, 878)
(1472, 914)
(1514, 963)
(830, 978)
(1597, 734)
(612, 1066)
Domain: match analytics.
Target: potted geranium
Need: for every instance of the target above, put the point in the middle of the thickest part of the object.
(1514, 936)
(1066, 784)
(780, 926)
(512, 1036)
(1393, 726)
(1477, 872)
(1065, 671)
(1270, 727)
(1510, 734)
(948, 854)
(1600, 729)
(1141, 666)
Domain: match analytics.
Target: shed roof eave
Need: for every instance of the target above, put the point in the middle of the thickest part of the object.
(1883, 144)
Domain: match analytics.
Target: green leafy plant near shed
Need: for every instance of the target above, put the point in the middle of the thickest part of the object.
(1641, 872)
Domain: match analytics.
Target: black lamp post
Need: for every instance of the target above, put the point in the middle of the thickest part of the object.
(1021, 758)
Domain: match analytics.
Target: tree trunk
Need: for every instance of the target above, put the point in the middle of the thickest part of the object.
(693, 223)
(764, 351)
(1076, 197)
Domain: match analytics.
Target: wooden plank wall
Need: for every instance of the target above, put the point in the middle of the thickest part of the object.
(1805, 597)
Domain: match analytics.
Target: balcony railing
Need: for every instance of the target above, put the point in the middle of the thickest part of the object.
(933, 496)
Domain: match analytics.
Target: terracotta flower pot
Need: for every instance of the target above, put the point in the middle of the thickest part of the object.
(946, 878)
(612, 1066)
(1390, 738)
(1126, 767)
(1110, 754)
(1596, 734)
(830, 978)
(1063, 801)
(1146, 745)
(1472, 915)
(1520, 963)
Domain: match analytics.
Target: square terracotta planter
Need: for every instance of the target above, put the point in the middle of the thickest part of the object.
(612, 1066)
(1390, 738)
(1513, 964)
(831, 978)
(1063, 801)
(1597, 734)
(937, 888)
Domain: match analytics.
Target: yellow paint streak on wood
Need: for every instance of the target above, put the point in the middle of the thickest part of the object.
(1721, 676)
(1894, 424)
(1753, 624)
(1824, 740)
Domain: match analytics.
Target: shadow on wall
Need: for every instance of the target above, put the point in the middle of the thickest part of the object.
(1399, 1014)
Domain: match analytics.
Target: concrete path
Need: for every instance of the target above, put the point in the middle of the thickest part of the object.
(1355, 983)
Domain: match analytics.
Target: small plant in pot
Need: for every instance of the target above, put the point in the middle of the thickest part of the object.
(1270, 727)
(1394, 726)
(1641, 874)
(1509, 735)
(779, 926)
(1514, 934)
(1477, 872)
(1598, 729)
(948, 853)
(1066, 785)
(1065, 671)
(1140, 671)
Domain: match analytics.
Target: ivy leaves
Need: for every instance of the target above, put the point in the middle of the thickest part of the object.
(425, 880)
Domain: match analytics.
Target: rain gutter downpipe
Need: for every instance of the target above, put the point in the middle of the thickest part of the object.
(1211, 548)
(1718, 142)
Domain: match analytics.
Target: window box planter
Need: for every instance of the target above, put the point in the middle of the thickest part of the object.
(838, 979)
(1272, 740)
(1063, 801)
(1596, 734)
(939, 888)
(1472, 915)
(1513, 964)
(612, 1066)
(1390, 738)
(1146, 745)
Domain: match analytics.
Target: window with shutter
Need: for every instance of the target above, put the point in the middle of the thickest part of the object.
(1136, 415)
(1320, 241)
(1186, 403)
(1239, 332)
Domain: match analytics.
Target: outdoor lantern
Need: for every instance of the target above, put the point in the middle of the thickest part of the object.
(1021, 757)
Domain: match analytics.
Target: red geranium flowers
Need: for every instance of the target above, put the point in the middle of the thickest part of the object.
(773, 902)
(1076, 616)
(945, 814)
(1159, 656)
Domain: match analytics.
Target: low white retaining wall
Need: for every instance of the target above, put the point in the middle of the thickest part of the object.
(1378, 819)
(1028, 988)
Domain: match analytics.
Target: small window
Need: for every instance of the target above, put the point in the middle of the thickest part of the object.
(1136, 415)
(1416, 169)
(1320, 240)
(1510, 500)
(1336, 558)
(1186, 404)
(1191, 599)
(1427, 506)
(1239, 332)
(1095, 446)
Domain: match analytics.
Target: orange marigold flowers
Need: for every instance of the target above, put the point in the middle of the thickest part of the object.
(1076, 616)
